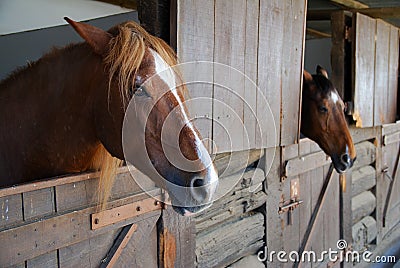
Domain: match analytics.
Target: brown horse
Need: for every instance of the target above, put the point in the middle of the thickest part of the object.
(323, 119)
(65, 113)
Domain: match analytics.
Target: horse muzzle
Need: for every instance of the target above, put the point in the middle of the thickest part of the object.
(342, 163)
(197, 196)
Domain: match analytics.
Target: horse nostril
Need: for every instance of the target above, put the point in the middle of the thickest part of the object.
(345, 158)
(199, 190)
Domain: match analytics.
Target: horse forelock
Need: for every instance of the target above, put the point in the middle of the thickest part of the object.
(127, 51)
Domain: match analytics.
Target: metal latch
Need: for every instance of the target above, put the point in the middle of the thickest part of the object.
(294, 200)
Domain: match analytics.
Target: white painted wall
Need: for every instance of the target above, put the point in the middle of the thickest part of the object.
(25, 15)
(19, 48)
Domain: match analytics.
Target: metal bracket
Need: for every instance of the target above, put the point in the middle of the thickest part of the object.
(294, 200)
(118, 214)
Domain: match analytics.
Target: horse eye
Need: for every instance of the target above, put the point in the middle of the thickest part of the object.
(323, 109)
(140, 91)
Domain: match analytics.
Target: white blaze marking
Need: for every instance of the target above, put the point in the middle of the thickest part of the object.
(334, 97)
(166, 73)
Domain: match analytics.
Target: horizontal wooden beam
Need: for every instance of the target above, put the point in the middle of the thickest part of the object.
(51, 182)
(132, 4)
(318, 34)
(379, 12)
(350, 3)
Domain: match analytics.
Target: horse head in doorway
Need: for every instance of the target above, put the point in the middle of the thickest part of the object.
(323, 119)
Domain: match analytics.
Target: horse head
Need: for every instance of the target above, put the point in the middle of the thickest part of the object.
(323, 119)
(161, 141)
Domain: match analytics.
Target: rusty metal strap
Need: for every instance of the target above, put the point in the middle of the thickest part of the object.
(314, 216)
(121, 213)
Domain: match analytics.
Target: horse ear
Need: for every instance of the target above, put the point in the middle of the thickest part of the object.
(322, 71)
(307, 76)
(97, 38)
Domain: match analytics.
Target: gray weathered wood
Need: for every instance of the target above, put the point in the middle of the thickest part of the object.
(273, 184)
(362, 205)
(176, 240)
(338, 27)
(366, 154)
(230, 163)
(49, 260)
(228, 131)
(391, 138)
(292, 69)
(363, 134)
(250, 70)
(393, 73)
(364, 232)
(363, 179)
(141, 250)
(53, 233)
(364, 70)
(87, 253)
(38, 203)
(214, 247)
(381, 72)
(245, 196)
(303, 164)
(10, 210)
(195, 42)
(271, 27)
(248, 261)
(390, 128)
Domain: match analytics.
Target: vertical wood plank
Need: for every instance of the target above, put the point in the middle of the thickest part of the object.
(88, 253)
(331, 211)
(338, 26)
(317, 177)
(271, 27)
(10, 210)
(291, 235)
(228, 128)
(393, 74)
(381, 72)
(274, 230)
(143, 254)
(364, 71)
(176, 240)
(38, 203)
(292, 69)
(250, 70)
(195, 42)
(48, 260)
(76, 195)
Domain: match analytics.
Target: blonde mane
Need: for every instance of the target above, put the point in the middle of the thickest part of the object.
(126, 53)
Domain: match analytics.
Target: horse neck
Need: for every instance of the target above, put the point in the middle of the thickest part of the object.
(49, 115)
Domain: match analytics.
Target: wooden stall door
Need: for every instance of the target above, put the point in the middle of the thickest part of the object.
(388, 185)
(376, 62)
(314, 224)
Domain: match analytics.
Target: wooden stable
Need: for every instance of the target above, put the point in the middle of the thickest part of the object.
(283, 195)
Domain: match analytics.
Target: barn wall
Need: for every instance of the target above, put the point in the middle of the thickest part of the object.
(263, 40)
(19, 48)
